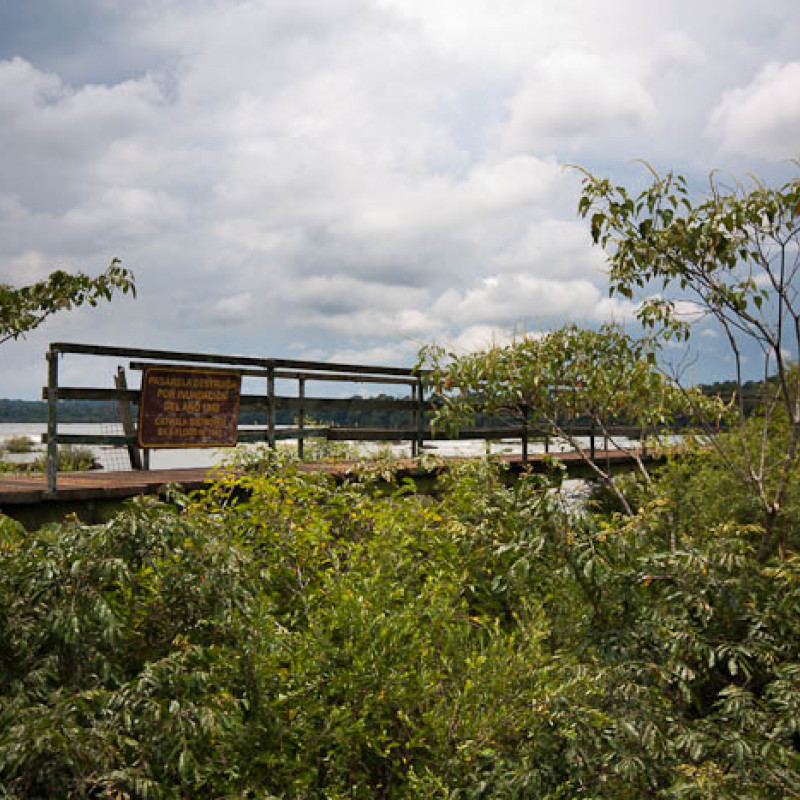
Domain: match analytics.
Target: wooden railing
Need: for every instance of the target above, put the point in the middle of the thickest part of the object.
(418, 409)
(270, 369)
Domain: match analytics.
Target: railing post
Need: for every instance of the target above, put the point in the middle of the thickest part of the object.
(415, 422)
(52, 420)
(127, 418)
(525, 415)
(591, 441)
(301, 418)
(271, 406)
(420, 415)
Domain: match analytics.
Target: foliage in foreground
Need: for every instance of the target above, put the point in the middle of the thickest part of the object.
(24, 308)
(732, 260)
(287, 637)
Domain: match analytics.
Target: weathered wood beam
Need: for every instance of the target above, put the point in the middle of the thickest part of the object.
(412, 433)
(126, 416)
(294, 375)
(212, 358)
(249, 435)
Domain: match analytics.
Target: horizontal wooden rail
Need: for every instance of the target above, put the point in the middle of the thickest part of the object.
(342, 404)
(409, 433)
(294, 375)
(365, 434)
(116, 439)
(534, 432)
(247, 401)
(243, 361)
(249, 435)
(91, 393)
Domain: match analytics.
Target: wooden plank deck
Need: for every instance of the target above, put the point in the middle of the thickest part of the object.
(18, 490)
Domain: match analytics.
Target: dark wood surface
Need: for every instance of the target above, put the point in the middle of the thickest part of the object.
(294, 375)
(99, 484)
(243, 361)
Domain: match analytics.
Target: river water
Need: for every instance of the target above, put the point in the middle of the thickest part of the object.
(115, 458)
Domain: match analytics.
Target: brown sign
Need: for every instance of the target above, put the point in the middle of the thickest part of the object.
(188, 407)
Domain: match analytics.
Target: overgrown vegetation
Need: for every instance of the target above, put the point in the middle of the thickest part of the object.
(287, 637)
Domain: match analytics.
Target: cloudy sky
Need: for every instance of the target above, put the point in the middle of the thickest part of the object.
(350, 179)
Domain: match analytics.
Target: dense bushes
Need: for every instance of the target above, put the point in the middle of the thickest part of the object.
(286, 637)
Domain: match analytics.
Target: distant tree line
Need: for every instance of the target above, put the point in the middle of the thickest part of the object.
(753, 393)
(107, 411)
(68, 411)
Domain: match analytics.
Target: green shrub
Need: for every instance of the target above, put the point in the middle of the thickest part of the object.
(17, 444)
(75, 459)
(283, 635)
(113, 663)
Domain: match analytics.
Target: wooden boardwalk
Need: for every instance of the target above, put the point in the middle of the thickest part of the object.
(16, 490)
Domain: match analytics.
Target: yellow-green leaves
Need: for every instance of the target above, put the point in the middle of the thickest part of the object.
(25, 308)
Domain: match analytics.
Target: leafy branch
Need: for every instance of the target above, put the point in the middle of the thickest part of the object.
(25, 308)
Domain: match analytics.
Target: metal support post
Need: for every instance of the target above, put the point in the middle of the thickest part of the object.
(415, 423)
(301, 418)
(126, 417)
(525, 415)
(52, 420)
(420, 416)
(271, 407)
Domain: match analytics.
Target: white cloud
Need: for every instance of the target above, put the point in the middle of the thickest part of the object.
(480, 337)
(344, 294)
(761, 118)
(689, 310)
(402, 352)
(232, 310)
(676, 51)
(119, 214)
(552, 248)
(372, 173)
(515, 299)
(51, 120)
(28, 267)
(369, 324)
(570, 97)
(501, 302)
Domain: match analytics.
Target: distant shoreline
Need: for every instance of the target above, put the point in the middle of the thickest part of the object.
(68, 411)
(107, 411)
